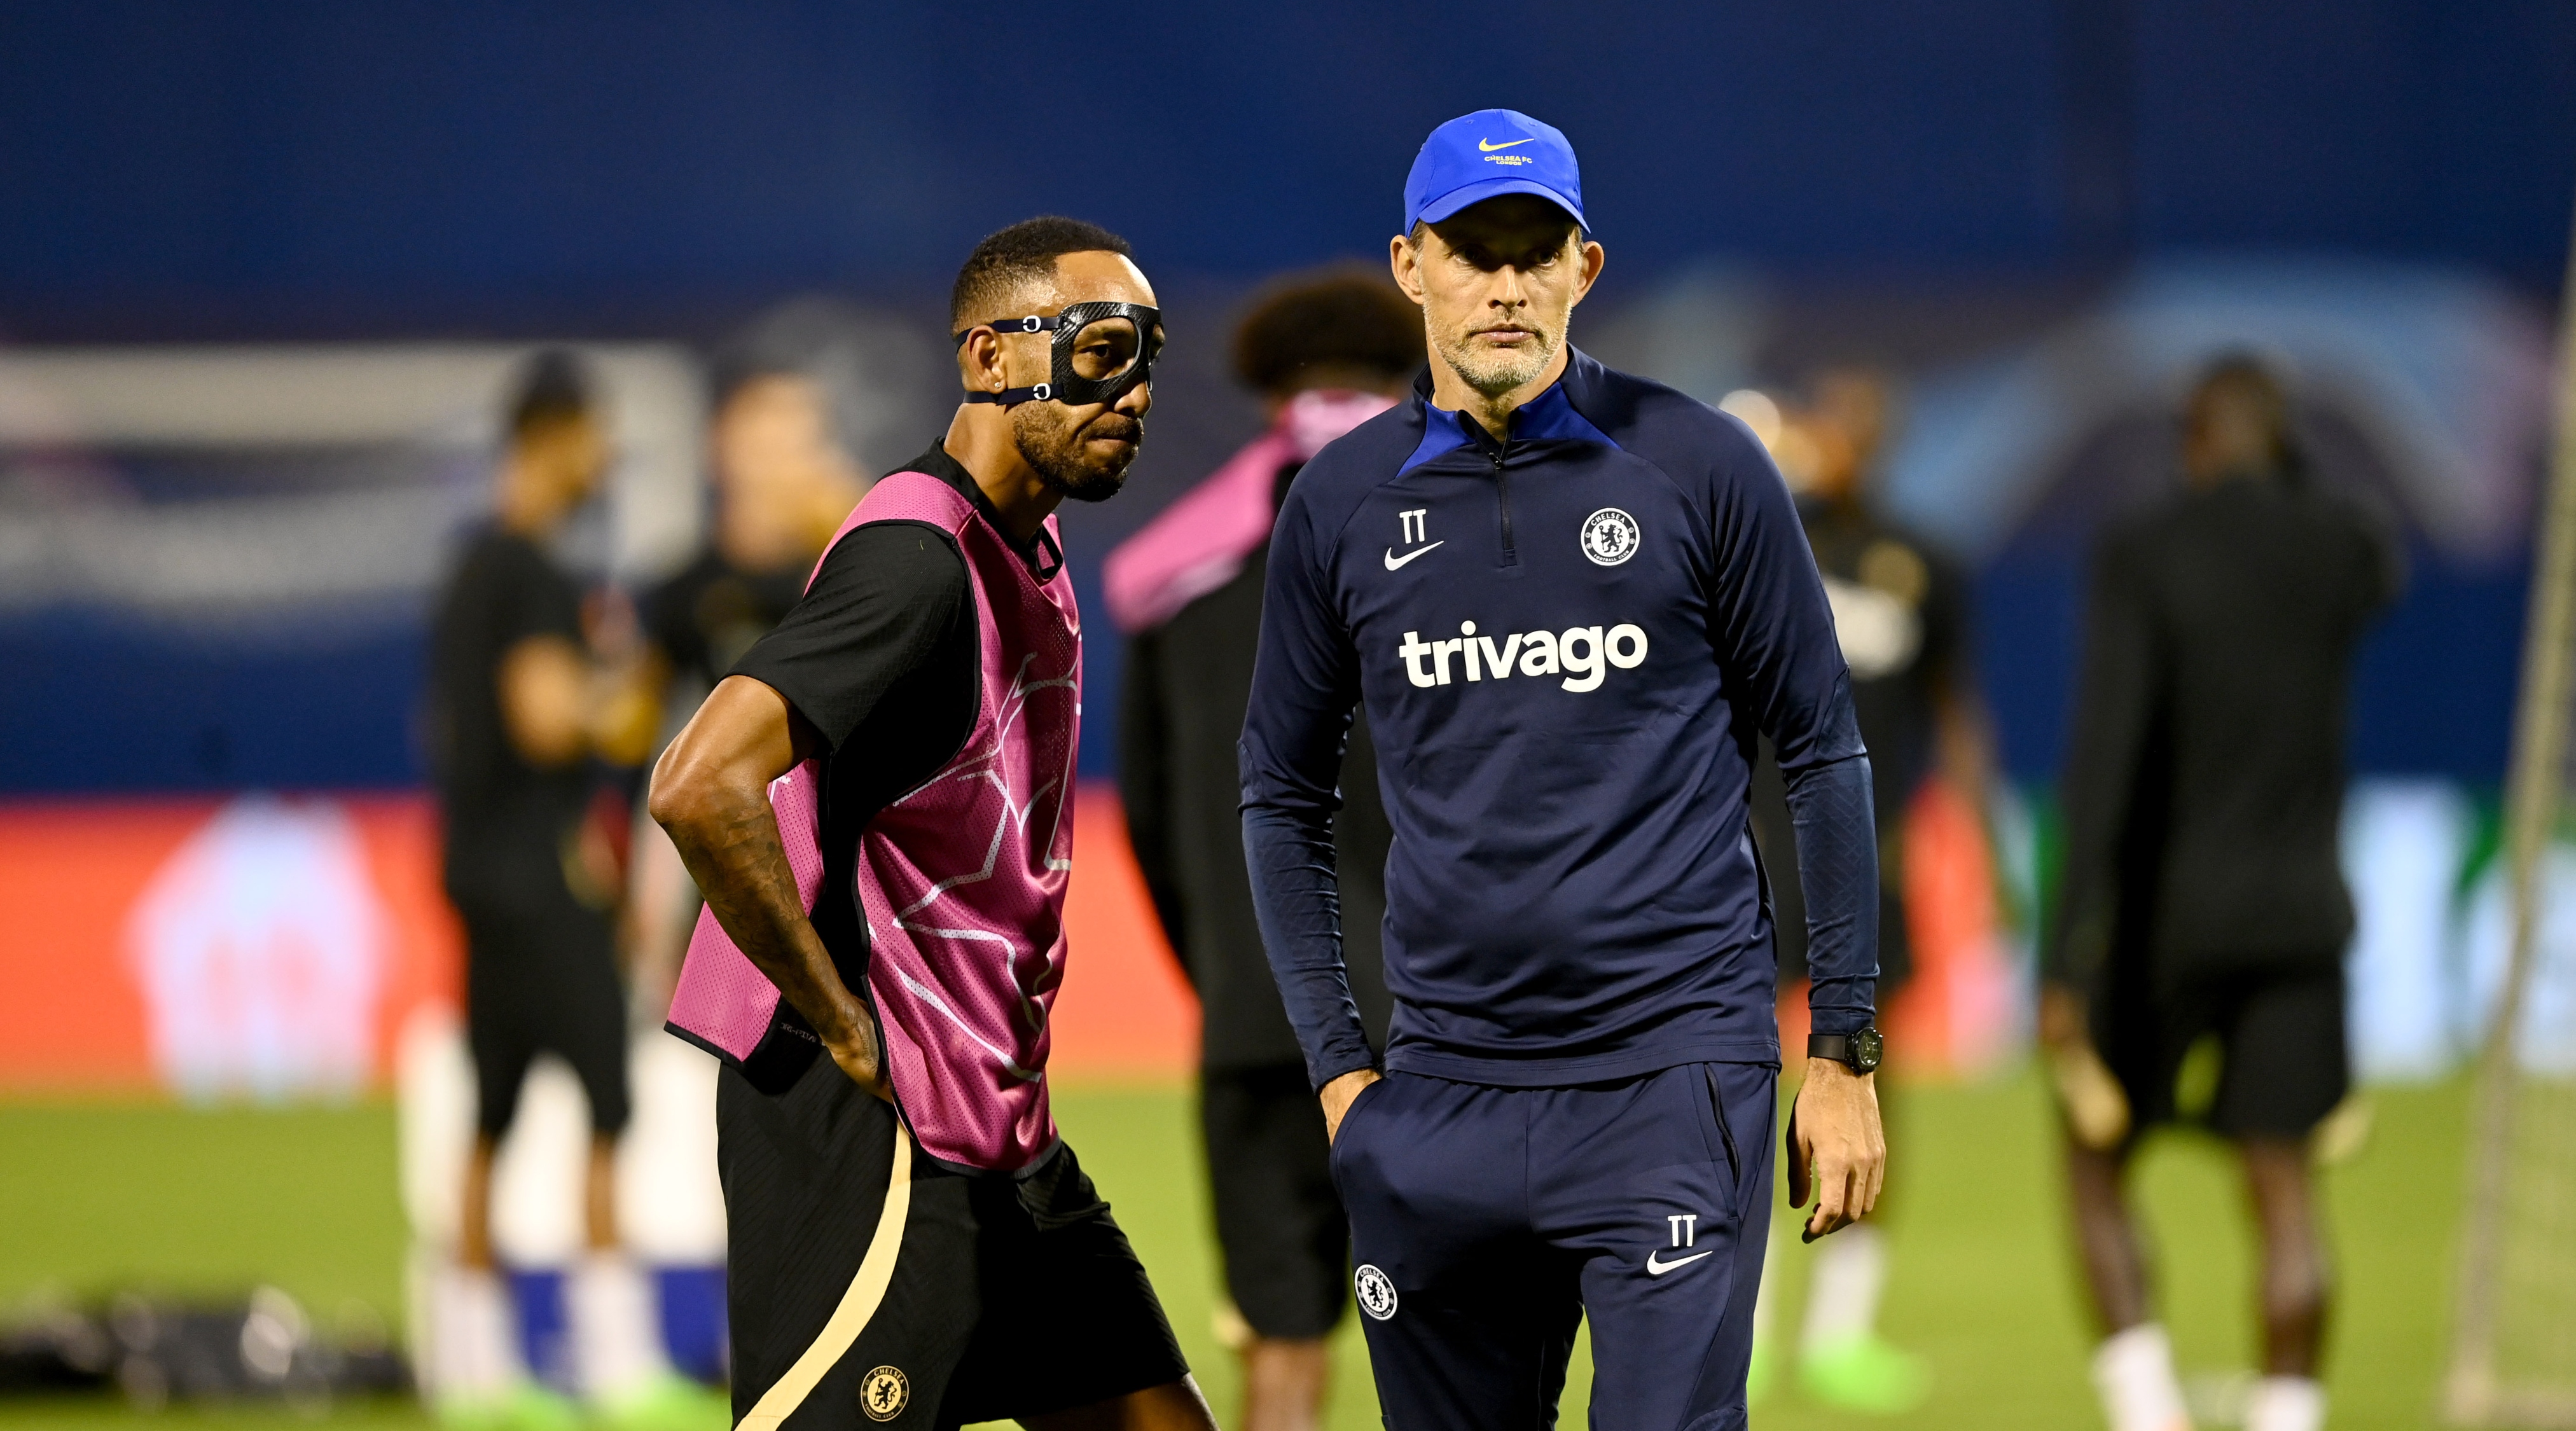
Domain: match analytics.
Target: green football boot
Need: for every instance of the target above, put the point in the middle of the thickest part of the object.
(1864, 1372)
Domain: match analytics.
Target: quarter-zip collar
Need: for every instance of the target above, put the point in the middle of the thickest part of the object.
(1551, 416)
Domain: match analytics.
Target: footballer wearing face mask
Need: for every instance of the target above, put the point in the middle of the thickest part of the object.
(876, 805)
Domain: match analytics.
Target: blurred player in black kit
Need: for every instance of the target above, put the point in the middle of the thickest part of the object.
(1902, 616)
(1326, 352)
(2204, 896)
(783, 479)
(519, 708)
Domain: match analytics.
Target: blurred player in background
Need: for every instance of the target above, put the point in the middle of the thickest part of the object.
(783, 481)
(2204, 898)
(1901, 616)
(519, 709)
(1326, 353)
(910, 1242)
(1576, 1116)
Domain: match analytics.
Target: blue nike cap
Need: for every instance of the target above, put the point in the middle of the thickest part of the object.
(1492, 151)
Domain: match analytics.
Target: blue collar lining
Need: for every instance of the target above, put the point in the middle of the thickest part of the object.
(1550, 417)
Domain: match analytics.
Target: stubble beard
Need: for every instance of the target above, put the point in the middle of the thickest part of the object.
(1055, 450)
(1493, 374)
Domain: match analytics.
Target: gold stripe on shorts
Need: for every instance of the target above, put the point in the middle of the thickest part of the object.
(858, 1304)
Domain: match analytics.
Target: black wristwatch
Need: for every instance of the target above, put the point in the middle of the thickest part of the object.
(1856, 1051)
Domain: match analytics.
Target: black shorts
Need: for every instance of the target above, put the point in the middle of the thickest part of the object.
(1279, 1223)
(2283, 1059)
(869, 1286)
(541, 976)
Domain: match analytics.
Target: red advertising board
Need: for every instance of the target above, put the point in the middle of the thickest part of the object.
(271, 946)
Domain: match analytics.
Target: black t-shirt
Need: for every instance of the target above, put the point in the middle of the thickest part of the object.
(1901, 611)
(2205, 771)
(505, 819)
(880, 655)
(704, 619)
(1901, 617)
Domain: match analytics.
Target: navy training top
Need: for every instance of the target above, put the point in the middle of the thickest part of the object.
(1567, 643)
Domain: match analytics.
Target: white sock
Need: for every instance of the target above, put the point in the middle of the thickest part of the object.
(2134, 1372)
(1842, 1293)
(616, 1327)
(2286, 1403)
(473, 1343)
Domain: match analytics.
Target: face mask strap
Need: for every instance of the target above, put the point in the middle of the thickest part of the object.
(1013, 397)
(1031, 324)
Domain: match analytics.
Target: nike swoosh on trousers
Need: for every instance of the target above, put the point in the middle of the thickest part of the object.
(1656, 1268)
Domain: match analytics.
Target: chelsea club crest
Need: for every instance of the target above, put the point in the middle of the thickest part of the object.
(1610, 536)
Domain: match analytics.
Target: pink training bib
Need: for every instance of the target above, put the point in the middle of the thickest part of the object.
(961, 881)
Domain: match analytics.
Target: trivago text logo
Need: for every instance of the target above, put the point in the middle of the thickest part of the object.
(1581, 654)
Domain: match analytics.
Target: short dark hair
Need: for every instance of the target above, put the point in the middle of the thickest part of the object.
(734, 370)
(778, 345)
(2244, 372)
(1023, 253)
(552, 385)
(1349, 318)
(2245, 376)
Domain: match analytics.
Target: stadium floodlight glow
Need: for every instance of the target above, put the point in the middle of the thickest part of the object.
(1755, 409)
(1792, 444)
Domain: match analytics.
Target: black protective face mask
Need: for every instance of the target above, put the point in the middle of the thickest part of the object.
(1101, 351)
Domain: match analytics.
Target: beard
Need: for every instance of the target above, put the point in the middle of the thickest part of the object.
(1060, 453)
(1495, 372)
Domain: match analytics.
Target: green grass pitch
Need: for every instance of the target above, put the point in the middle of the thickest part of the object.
(98, 1195)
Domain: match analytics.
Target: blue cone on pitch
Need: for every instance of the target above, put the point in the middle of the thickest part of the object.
(1492, 151)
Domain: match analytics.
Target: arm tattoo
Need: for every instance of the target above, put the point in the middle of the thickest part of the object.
(739, 862)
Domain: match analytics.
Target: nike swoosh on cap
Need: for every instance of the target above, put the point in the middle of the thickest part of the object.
(1490, 146)
(1656, 1267)
(1393, 561)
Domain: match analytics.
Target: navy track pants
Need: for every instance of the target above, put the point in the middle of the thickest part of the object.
(1486, 1222)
